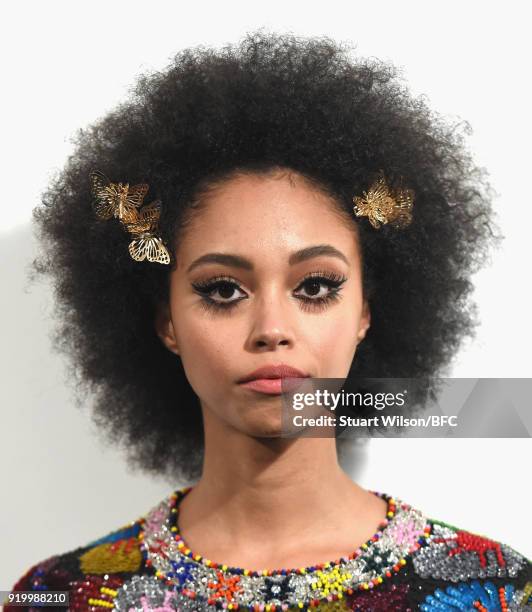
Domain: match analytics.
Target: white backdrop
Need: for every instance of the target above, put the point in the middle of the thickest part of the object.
(61, 487)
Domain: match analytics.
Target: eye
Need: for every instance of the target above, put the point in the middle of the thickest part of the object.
(322, 288)
(217, 292)
(318, 287)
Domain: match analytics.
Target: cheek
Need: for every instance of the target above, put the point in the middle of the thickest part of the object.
(207, 355)
(333, 343)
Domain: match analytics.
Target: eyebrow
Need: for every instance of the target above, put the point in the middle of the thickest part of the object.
(237, 261)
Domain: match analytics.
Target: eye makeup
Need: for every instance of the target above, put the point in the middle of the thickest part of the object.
(225, 286)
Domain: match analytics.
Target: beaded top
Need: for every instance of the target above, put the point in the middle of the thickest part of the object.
(410, 563)
(399, 534)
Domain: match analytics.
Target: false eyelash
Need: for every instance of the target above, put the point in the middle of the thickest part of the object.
(332, 280)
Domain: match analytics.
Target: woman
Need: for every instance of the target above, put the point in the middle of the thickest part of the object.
(306, 217)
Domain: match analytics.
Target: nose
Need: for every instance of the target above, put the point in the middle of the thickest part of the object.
(272, 325)
(271, 339)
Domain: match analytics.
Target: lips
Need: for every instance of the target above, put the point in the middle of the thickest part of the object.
(274, 371)
(269, 379)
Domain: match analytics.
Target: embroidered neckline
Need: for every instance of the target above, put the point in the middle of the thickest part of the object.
(185, 549)
(219, 586)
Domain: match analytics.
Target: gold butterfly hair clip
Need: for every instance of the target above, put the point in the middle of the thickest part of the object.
(125, 202)
(381, 204)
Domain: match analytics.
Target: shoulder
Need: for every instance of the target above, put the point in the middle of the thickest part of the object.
(90, 572)
(457, 567)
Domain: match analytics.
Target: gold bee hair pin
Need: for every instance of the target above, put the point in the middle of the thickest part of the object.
(125, 202)
(381, 204)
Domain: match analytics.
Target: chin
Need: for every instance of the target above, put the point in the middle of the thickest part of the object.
(265, 426)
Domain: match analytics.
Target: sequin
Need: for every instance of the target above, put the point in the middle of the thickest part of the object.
(118, 556)
(449, 556)
(412, 561)
(94, 593)
(142, 593)
(389, 598)
(211, 586)
(470, 596)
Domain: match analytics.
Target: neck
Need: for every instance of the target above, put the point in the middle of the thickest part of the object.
(295, 487)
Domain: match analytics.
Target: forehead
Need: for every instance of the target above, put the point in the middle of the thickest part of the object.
(259, 215)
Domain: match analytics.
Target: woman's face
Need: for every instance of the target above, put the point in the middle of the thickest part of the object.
(269, 300)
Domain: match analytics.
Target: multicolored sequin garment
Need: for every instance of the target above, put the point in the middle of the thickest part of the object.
(411, 563)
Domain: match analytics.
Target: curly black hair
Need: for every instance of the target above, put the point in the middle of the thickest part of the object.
(270, 101)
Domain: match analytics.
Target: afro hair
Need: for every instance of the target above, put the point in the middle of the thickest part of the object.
(269, 101)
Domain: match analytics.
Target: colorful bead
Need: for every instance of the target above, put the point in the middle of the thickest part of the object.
(458, 556)
(473, 596)
(411, 563)
(94, 593)
(375, 561)
(116, 556)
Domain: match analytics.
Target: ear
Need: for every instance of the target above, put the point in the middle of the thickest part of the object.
(365, 321)
(165, 328)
